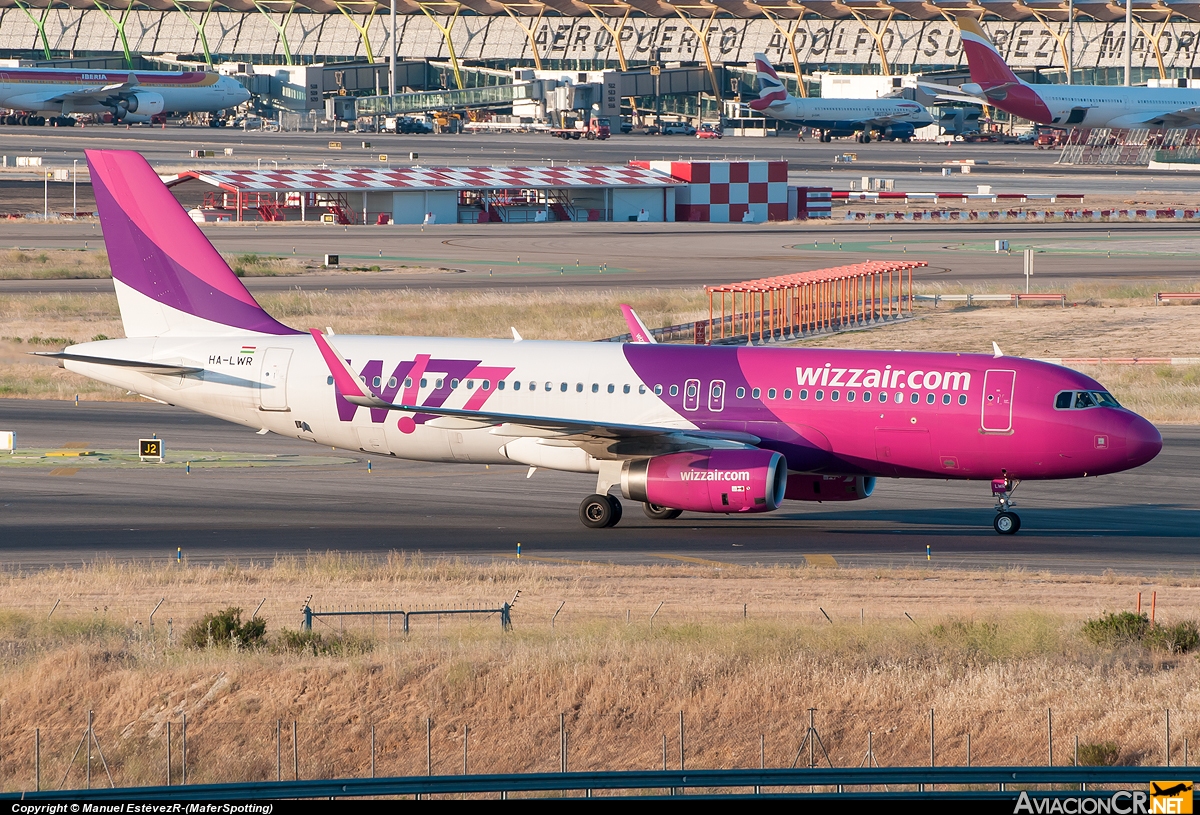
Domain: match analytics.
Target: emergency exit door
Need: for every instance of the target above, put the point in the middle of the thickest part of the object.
(997, 401)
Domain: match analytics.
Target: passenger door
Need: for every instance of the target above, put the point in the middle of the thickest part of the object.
(998, 387)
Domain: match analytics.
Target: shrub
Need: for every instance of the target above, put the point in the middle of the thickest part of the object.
(1117, 628)
(1176, 639)
(317, 644)
(225, 628)
(1127, 628)
(1104, 754)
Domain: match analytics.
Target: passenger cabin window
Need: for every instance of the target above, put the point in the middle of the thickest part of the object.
(516, 385)
(499, 385)
(820, 396)
(579, 387)
(834, 395)
(641, 388)
(914, 398)
(595, 387)
(329, 380)
(674, 390)
(453, 384)
(612, 389)
(392, 382)
(563, 387)
(930, 398)
(549, 387)
(470, 384)
(625, 389)
(804, 394)
(849, 396)
(486, 384)
(945, 398)
(787, 393)
(756, 393)
(658, 390)
(962, 398)
(771, 393)
(741, 393)
(866, 396)
(375, 382)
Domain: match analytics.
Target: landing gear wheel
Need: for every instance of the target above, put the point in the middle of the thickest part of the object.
(598, 511)
(656, 513)
(1007, 523)
(617, 509)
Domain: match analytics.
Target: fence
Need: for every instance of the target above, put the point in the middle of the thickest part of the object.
(218, 745)
(504, 610)
(809, 302)
(822, 784)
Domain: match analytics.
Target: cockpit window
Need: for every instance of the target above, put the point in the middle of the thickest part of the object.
(1079, 400)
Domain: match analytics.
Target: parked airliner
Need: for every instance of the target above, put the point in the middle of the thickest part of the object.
(893, 119)
(1067, 106)
(130, 96)
(702, 429)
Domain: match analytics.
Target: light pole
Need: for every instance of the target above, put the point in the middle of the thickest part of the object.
(392, 45)
(1128, 42)
(74, 188)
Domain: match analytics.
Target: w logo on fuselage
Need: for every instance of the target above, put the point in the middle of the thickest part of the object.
(427, 382)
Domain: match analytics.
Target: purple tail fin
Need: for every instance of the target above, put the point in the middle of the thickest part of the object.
(169, 278)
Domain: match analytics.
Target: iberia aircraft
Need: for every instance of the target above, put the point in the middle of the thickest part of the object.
(702, 429)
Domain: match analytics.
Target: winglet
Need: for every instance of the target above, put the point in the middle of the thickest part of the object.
(516, 337)
(637, 329)
(996, 352)
(347, 383)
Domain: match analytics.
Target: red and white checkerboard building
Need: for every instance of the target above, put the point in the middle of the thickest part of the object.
(725, 191)
(707, 191)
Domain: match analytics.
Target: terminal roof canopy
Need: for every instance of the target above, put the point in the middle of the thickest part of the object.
(372, 179)
(1055, 10)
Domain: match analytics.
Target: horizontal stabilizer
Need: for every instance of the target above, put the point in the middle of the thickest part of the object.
(132, 364)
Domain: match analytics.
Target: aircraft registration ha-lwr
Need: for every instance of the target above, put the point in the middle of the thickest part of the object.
(676, 428)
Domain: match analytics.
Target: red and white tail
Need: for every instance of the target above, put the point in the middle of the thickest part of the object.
(771, 90)
(988, 68)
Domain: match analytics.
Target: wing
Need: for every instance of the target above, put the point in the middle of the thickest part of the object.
(97, 93)
(611, 440)
(637, 329)
(1186, 117)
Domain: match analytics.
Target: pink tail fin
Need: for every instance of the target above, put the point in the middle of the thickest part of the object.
(170, 278)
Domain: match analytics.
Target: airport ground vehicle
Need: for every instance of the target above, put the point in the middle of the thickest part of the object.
(678, 129)
(722, 429)
(708, 130)
(595, 129)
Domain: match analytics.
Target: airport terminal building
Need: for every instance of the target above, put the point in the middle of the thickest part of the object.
(716, 37)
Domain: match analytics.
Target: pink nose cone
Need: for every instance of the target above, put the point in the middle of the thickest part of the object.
(1142, 441)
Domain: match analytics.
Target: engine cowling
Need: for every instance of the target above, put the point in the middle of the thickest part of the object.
(899, 131)
(802, 487)
(708, 481)
(143, 103)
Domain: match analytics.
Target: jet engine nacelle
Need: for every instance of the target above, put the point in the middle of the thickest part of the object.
(708, 481)
(829, 487)
(143, 103)
(901, 130)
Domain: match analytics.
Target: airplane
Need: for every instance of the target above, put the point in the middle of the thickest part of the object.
(723, 429)
(892, 119)
(1065, 106)
(1171, 791)
(131, 97)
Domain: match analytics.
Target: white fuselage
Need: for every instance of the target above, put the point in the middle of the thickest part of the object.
(66, 91)
(1107, 106)
(283, 386)
(833, 114)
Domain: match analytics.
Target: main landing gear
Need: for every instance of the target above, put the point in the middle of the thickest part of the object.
(598, 511)
(1006, 521)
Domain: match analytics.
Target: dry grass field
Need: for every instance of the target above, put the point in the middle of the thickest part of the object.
(1112, 321)
(743, 652)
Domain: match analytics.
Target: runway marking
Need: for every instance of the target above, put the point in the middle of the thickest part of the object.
(699, 561)
(821, 561)
(64, 471)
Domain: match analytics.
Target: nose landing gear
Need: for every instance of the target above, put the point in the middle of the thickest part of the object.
(1006, 521)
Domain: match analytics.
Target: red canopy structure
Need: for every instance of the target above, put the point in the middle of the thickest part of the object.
(799, 304)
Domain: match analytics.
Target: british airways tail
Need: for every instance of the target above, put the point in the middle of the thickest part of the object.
(170, 280)
(771, 90)
(988, 68)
